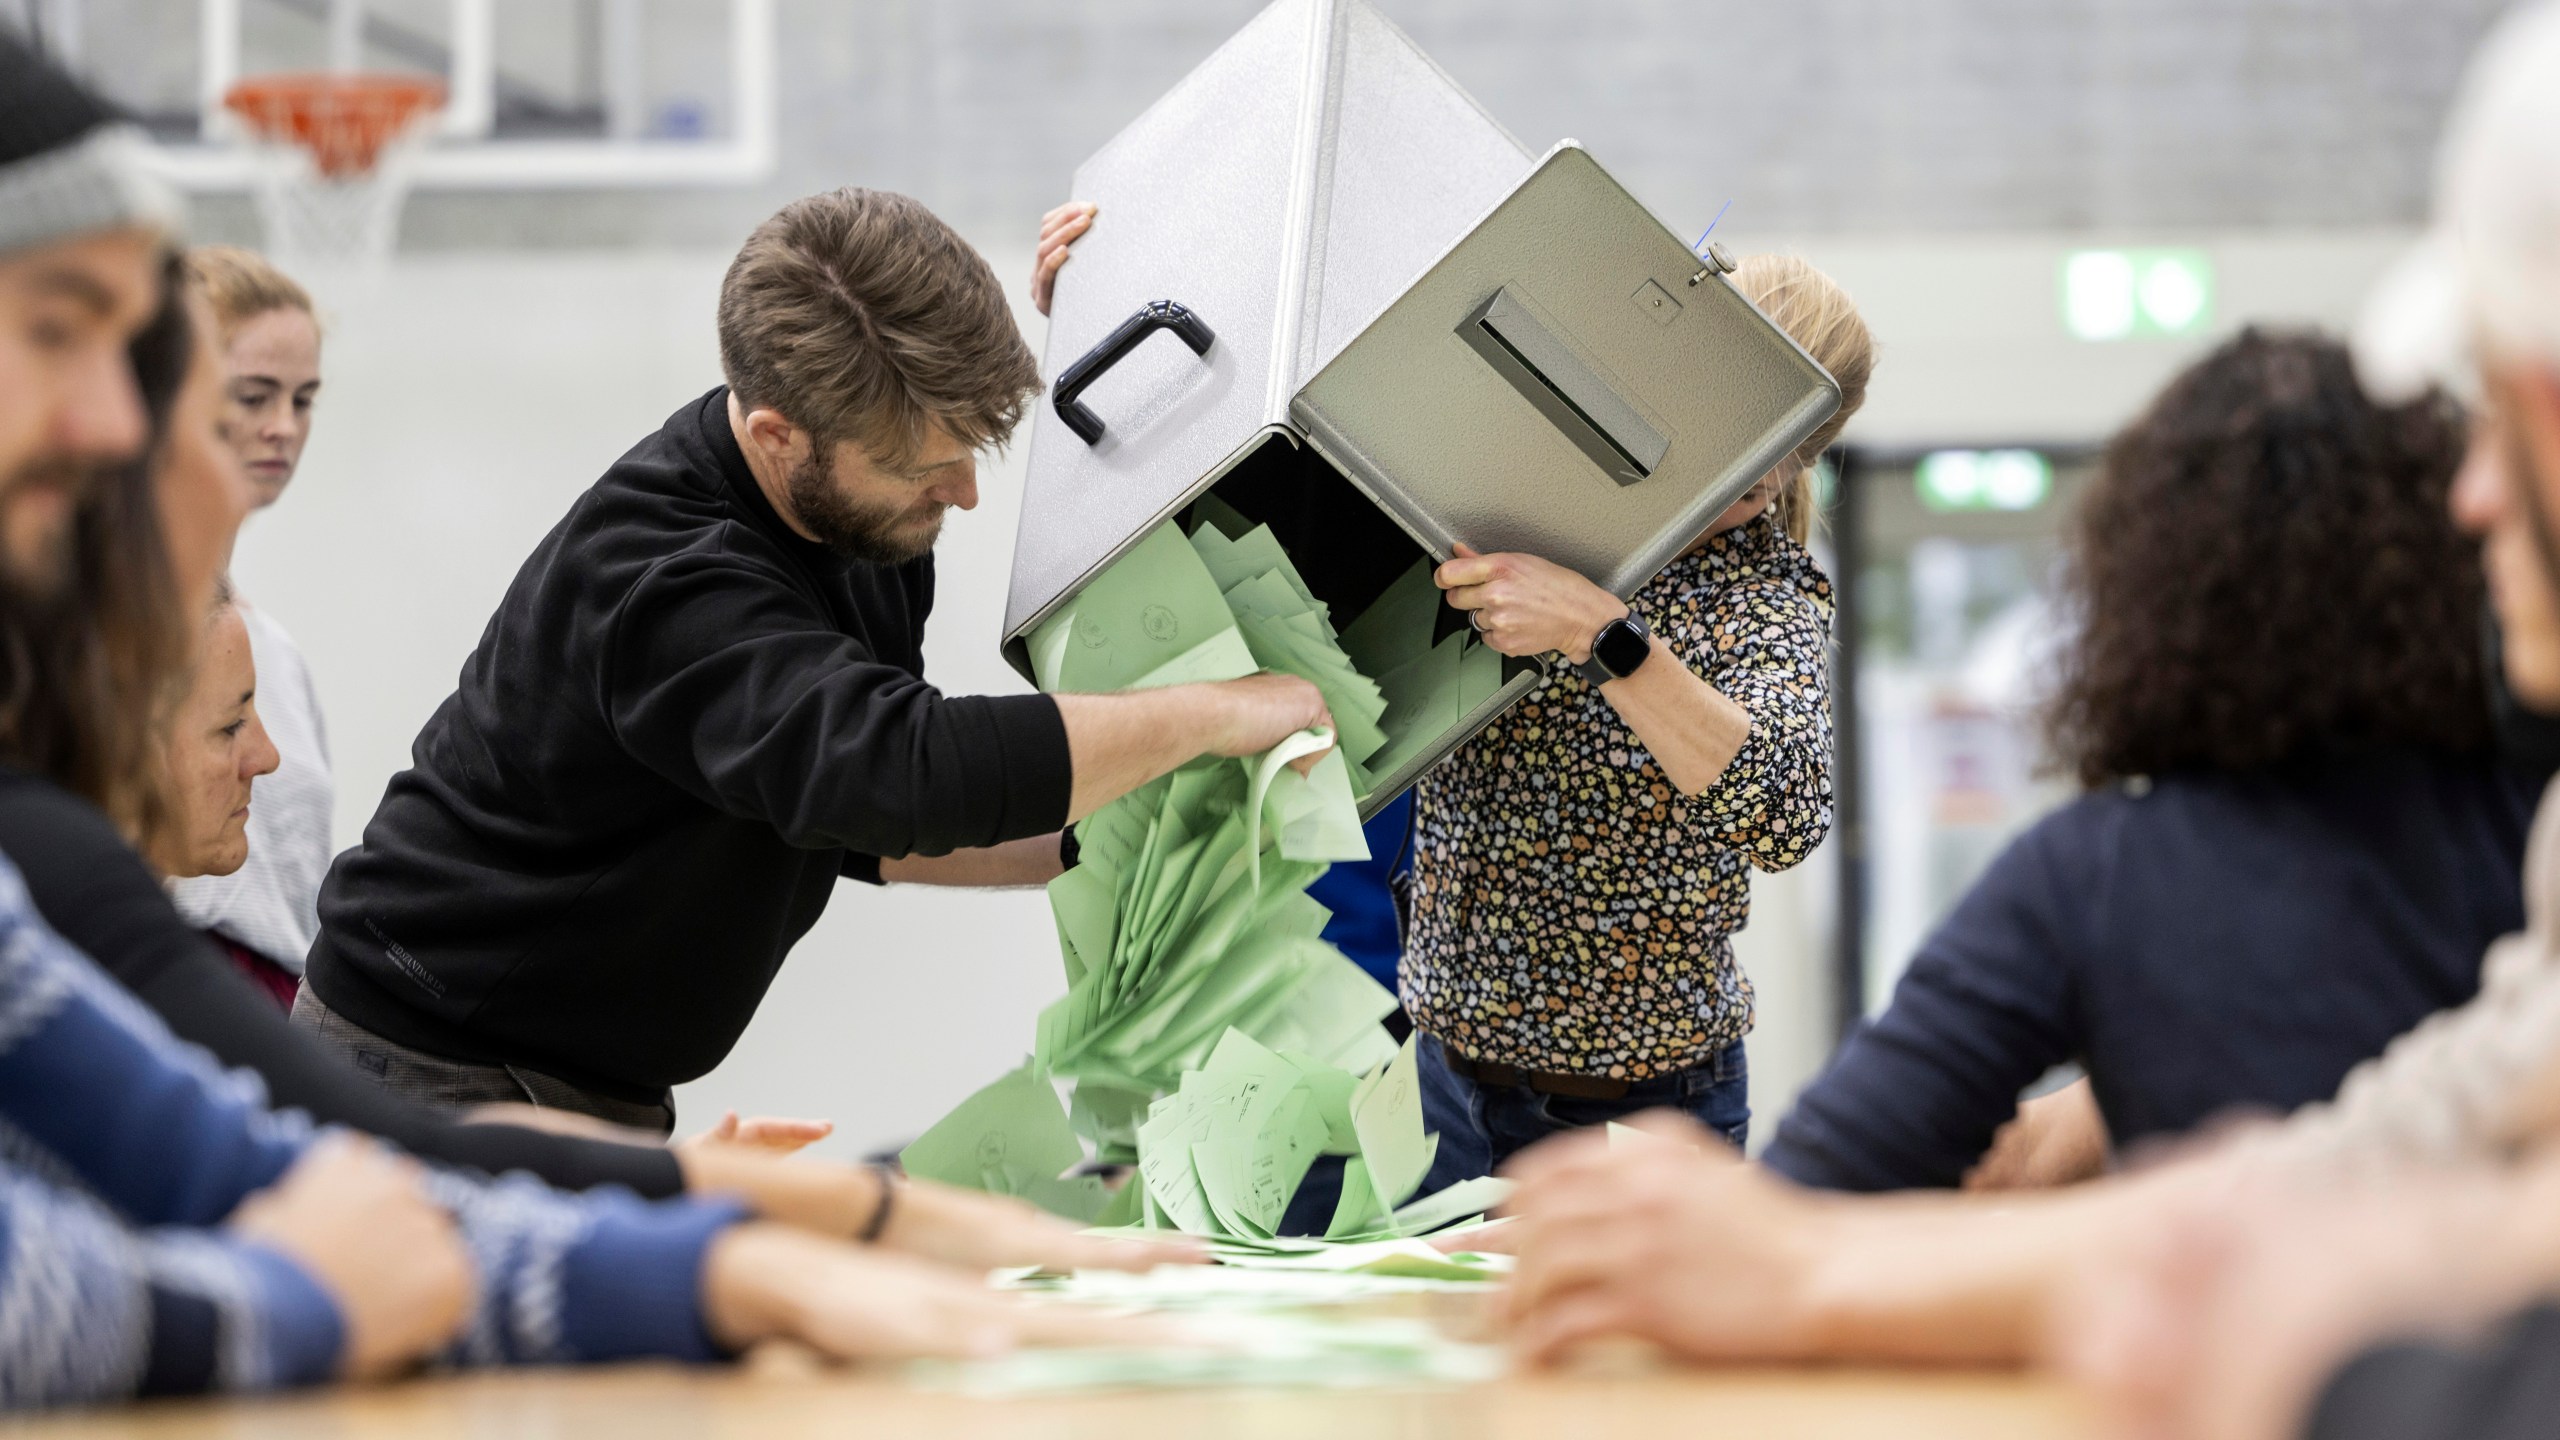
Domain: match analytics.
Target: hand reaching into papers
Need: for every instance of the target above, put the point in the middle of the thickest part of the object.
(1260, 711)
(773, 1135)
(1523, 605)
(765, 1282)
(1058, 230)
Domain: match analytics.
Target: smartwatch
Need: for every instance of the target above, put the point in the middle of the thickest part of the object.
(1617, 650)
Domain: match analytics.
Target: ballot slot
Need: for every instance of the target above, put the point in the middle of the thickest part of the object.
(1534, 353)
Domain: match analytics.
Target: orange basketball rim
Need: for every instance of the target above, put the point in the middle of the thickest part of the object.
(344, 120)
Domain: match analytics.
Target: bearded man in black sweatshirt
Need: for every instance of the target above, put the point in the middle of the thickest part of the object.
(702, 702)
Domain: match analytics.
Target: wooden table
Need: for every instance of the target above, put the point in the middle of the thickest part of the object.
(643, 1403)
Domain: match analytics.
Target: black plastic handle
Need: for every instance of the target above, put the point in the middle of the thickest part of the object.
(1153, 316)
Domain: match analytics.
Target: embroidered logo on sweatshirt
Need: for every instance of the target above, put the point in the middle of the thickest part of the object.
(407, 963)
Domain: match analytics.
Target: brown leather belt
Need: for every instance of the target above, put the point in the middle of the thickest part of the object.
(1545, 1082)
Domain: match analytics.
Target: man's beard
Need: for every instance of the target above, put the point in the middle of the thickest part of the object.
(35, 530)
(878, 534)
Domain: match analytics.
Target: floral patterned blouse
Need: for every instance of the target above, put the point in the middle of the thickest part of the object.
(1571, 910)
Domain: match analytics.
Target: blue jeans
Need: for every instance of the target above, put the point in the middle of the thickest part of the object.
(1481, 1126)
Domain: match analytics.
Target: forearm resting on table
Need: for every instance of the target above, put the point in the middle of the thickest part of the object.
(1943, 1279)
(1693, 729)
(809, 1194)
(1030, 861)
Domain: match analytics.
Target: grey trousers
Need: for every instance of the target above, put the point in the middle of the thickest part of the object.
(454, 1083)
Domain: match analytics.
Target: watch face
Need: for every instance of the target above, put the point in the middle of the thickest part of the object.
(1621, 648)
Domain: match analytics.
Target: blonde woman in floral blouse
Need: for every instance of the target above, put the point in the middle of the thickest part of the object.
(1580, 866)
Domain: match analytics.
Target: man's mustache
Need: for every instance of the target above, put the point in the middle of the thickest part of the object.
(75, 476)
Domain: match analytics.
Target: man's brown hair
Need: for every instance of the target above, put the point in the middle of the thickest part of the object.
(860, 316)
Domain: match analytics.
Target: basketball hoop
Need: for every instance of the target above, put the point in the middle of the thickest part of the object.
(330, 195)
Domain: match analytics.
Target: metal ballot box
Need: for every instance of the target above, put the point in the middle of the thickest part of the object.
(1392, 331)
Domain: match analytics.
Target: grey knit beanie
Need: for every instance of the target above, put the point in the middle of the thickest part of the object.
(69, 165)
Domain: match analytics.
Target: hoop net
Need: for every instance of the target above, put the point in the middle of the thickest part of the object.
(336, 169)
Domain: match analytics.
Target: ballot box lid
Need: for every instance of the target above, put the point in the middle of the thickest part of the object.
(1281, 195)
(1570, 380)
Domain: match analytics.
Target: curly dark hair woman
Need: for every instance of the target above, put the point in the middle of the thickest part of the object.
(2294, 843)
(2265, 571)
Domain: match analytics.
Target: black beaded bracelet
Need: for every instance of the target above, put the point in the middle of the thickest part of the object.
(888, 1176)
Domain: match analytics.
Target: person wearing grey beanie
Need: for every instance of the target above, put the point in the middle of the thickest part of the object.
(85, 229)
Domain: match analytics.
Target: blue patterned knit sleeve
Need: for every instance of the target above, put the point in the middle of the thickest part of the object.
(91, 1309)
(102, 1110)
(600, 1275)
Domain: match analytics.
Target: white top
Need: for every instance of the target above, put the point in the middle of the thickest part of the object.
(271, 904)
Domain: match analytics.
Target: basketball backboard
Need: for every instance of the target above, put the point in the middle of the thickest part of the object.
(541, 94)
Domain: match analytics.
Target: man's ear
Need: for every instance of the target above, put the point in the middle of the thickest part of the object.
(776, 438)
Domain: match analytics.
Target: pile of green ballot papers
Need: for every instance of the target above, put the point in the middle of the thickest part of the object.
(1214, 1039)
(1222, 1155)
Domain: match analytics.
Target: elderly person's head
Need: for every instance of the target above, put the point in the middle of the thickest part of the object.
(216, 748)
(269, 337)
(2481, 299)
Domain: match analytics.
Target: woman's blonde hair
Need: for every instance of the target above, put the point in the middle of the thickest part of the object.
(1811, 307)
(241, 285)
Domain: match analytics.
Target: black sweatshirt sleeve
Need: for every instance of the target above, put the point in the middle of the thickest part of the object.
(2507, 1387)
(95, 891)
(729, 681)
(1916, 1094)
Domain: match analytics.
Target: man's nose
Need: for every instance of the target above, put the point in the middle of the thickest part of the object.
(101, 415)
(961, 493)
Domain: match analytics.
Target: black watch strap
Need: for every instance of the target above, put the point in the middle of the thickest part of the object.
(1629, 640)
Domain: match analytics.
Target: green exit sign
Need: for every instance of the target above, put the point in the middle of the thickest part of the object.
(1983, 479)
(2124, 294)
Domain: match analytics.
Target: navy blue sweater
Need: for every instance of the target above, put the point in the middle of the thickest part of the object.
(2210, 941)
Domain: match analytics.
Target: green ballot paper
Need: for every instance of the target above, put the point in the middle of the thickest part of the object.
(1153, 618)
(1010, 1138)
